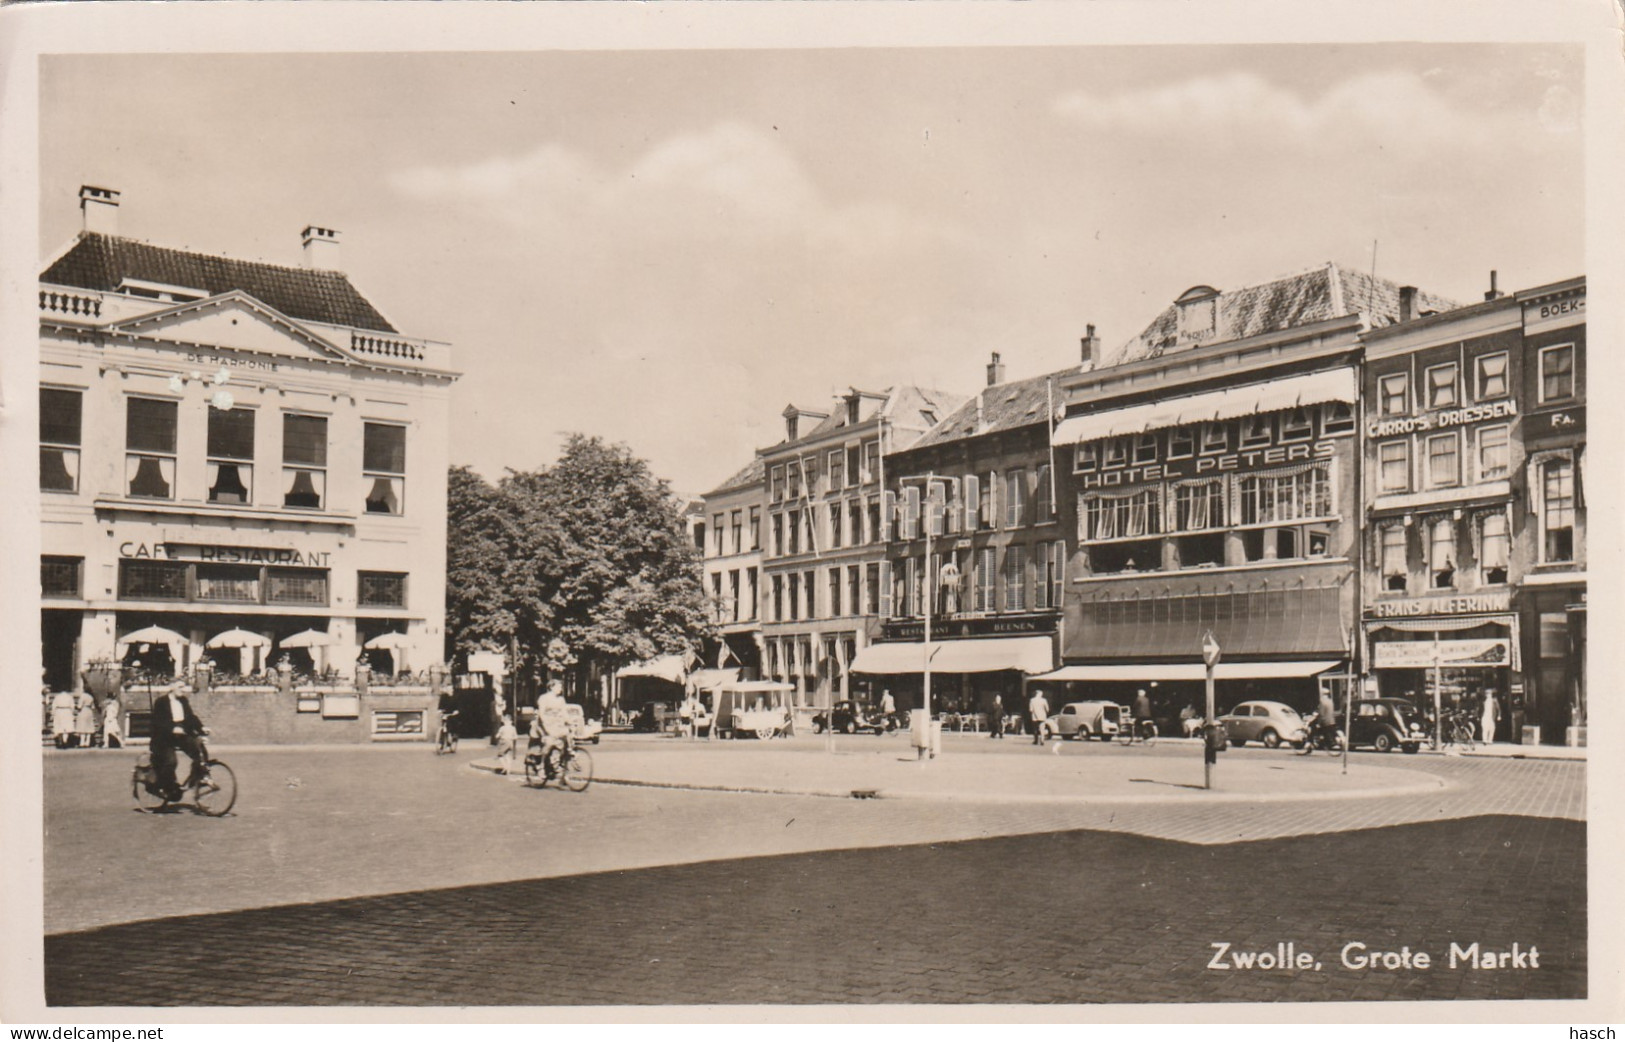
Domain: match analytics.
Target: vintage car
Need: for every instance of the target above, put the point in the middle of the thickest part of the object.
(1267, 723)
(1082, 720)
(851, 718)
(1384, 724)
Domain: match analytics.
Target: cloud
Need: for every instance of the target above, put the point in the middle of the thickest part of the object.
(1384, 108)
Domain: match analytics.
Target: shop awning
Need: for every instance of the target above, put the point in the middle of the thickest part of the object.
(1291, 624)
(666, 667)
(1190, 671)
(706, 679)
(989, 655)
(1333, 385)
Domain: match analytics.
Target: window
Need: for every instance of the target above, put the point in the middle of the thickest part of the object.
(1296, 496)
(60, 418)
(1198, 505)
(1181, 442)
(908, 526)
(152, 580)
(737, 526)
(149, 439)
(296, 585)
(985, 513)
(1442, 554)
(381, 589)
(1492, 453)
(755, 529)
(877, 532)
(836, 513)
(986, 577)
(871, 461)
(1057, 572)
(775, 484)
(1336, 418)
(907, 579)
(837, 469)
(936, 506)
(1215, 438)
(228, 582)
(751, 594)
(1015, 578)
(852, 465)
(1393, 394)
(1394, 466)
(871, 601)
(854, 522)
(383, 464)
(1557, 373)
(1492, 376)
(793, 473)
(1444, 460)
(1015, 498)
(1255, 430)
(794, 597)
(231, 455)
(834, 593)
(1557, 481)
(1116, 452)
(60, 576)
(1296, 425)
(1043, 501)
(717, 535)
(854, 590)
(1087, 457)
(1442, 392)
(1121, 517)
(1046, 588)
(1393, 558)
(792, 526)
(1145, 448)
(1494, 549)
(1201, 551)
(304, 460)
(778, 535)
(809, 586)
(778, 598)
(1142, 556)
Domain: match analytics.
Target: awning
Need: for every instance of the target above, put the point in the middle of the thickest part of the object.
(1300, 624)
(706, 679)
(1333, 385)
(988, 655)
(1190, 671)
(666, 667)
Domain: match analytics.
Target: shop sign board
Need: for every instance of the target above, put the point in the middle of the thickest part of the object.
(1466, 604)
(1425, 654)
(1554, 314)
(1228, 463)
(1442, 418)
(163, 551)
(942, 629)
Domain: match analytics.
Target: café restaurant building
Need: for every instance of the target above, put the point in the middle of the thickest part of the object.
(239, 461)
(1210, 479)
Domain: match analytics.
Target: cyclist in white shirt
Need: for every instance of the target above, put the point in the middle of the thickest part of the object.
(550, 729)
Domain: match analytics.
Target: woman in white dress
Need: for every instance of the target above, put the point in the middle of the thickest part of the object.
(62, 717)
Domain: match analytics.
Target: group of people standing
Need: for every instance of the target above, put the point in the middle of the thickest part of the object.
(77, 722)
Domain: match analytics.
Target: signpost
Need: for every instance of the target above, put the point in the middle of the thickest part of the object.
(1210, 658)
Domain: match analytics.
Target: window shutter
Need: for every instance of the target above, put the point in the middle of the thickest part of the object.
(934, 505)
(990, 516)
(911, 512)
(973, 501)
(888, 507)
(885, 588)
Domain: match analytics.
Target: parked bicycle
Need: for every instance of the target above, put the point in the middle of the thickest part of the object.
(570, 764)
(1458, 729)
(211, 785)
(1141, 731)
(446, 742)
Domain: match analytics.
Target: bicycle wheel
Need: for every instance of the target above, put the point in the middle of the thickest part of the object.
(578, 771)
(533, 771)
(1149, 736)
(142, 780)
(218, 793)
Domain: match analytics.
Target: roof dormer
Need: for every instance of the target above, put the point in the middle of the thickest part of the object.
(1198, 310)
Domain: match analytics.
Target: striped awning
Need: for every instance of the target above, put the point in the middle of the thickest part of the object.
(1190, 671)
(985, 655)
(1332, 385)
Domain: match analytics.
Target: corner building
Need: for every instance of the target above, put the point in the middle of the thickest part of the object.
(234, 445)
(1210, 479)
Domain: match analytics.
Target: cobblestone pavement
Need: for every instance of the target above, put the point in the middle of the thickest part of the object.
(627, 895)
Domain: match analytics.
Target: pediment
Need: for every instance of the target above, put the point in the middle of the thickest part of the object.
(232, 320)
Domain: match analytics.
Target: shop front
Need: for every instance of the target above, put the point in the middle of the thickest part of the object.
(1453, 655)
(972, 663)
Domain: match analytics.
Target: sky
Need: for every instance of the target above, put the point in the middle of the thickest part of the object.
(666, 248)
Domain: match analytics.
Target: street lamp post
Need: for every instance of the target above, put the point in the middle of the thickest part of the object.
(927, 589)
(1210, 658)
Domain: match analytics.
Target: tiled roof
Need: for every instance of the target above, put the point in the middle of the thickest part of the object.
(906, 406)
(1004, 407)
(102, 262)
(753, 474)
(1325, 292)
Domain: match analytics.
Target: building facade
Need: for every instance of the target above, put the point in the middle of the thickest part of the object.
(1210, 485)
(733, 569)
(240, 446)
(975, 551)
(823, 536)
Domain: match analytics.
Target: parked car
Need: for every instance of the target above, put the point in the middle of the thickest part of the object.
(1386, 723)
(1267, 723)
(850, 718)
(1080, 720)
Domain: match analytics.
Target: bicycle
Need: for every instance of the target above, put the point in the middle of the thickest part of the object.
(1142, 731)
(1321, 736)
(569, 763)
(1458, 731)
(446, 741)
(211, 784)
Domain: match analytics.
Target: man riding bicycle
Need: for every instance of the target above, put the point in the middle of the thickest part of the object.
(550, 728)
(175, 727)
(1325, 718)
(1142, 714)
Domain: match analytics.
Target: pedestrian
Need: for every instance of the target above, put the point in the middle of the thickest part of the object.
(995, 716)
(84, 719)
(888, 707)
(1492, 715)
(62, 718)
(1038, 712)
(685, 715)
(507, 739)
(112, 725)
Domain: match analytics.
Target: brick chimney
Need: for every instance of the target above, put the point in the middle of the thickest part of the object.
(995, 371)
(1494, 292)
(1091, 344)
(100, 207)
(1407, 303)
(321, 248)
